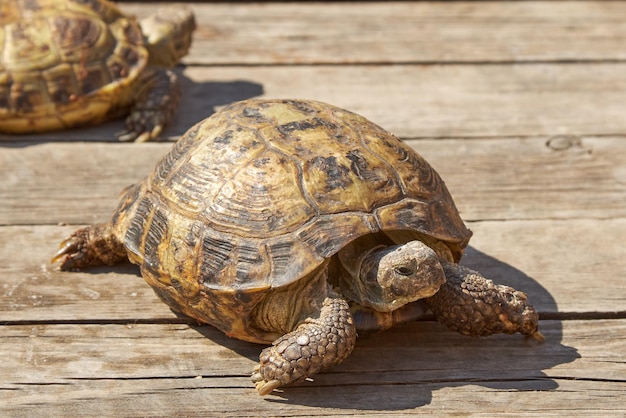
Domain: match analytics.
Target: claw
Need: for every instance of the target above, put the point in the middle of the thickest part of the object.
(537, 336)
(95, 245)
(140, 135)
(68, 250)
(265, 388)
(126, 136)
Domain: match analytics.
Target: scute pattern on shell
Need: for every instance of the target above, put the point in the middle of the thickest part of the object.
(261, 193)
(64, 62)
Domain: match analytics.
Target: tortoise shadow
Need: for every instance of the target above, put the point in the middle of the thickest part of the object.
(199, 100)
(401, 368)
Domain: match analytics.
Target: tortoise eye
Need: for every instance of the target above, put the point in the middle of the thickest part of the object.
(404, 270)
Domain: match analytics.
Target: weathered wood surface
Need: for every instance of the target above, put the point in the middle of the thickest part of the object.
(518, 105)
(175, 370)
(416, 101)
(405, 32)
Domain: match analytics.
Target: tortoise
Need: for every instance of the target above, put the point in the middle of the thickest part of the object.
(67, 63)
(296, 223)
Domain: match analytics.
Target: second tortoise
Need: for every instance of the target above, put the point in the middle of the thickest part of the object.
(68, 63)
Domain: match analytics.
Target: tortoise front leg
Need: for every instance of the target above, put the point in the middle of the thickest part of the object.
(317, 343)
(157, 97)
(92, 246)
(473, 305)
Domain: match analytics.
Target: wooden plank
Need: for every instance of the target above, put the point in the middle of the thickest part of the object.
(566, 267)
(403, 32)
(414, 101)
(558, 263)
(507, 178)
(73, 183)
(198, 398)
(32, 290)
(519, 106)
(154, 369)
(562, 177)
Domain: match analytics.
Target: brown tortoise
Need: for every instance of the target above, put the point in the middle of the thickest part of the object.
(66, 63)
(297, 223)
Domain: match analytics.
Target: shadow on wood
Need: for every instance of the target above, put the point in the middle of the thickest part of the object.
(505, 274)
(400, 368)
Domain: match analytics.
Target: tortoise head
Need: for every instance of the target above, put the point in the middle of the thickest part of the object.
(390, 277)
(167, 35)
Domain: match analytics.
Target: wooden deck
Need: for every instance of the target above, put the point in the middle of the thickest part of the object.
(520, 106)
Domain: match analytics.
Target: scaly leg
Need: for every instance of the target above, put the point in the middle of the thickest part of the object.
(94, 245)
(156, 100)
(473, 305)
(315, 344)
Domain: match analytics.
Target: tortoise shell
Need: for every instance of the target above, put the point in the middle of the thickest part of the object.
(64, 63)
(263, 193)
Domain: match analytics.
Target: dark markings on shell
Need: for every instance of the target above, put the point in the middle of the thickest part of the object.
(156, 231)
(128, 197)
(302, 106)
(61, 96)
(133, 34)
(180, 289)
(281, 254)
(216, 255)
(117, 70)
(243, 297)
(359, 166)
(406, 217)
(300, 125)
(74, 32)
(134, 234)
(19, 32)
(175, 154)
(379, 177)
(4, 99)
(20, 99)
(248, 258)
(426, 182)
(91, 79)
(420, 179)
(336, 175)
(322, 238)
(129, 56)
(225, 138)
(253, 113)
(61, 87)
(120, 65)
(191, 181)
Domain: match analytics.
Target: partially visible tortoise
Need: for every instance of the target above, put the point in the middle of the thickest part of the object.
(66, 63)
(297, 223)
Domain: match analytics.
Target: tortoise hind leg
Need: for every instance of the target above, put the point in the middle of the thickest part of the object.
(157, 97)
(473, 305)
(314, 345)
(94, 245)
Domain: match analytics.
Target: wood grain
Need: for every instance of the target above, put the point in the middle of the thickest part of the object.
(413, 101)
(267, 33)
(99, 369)
(518, 105)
